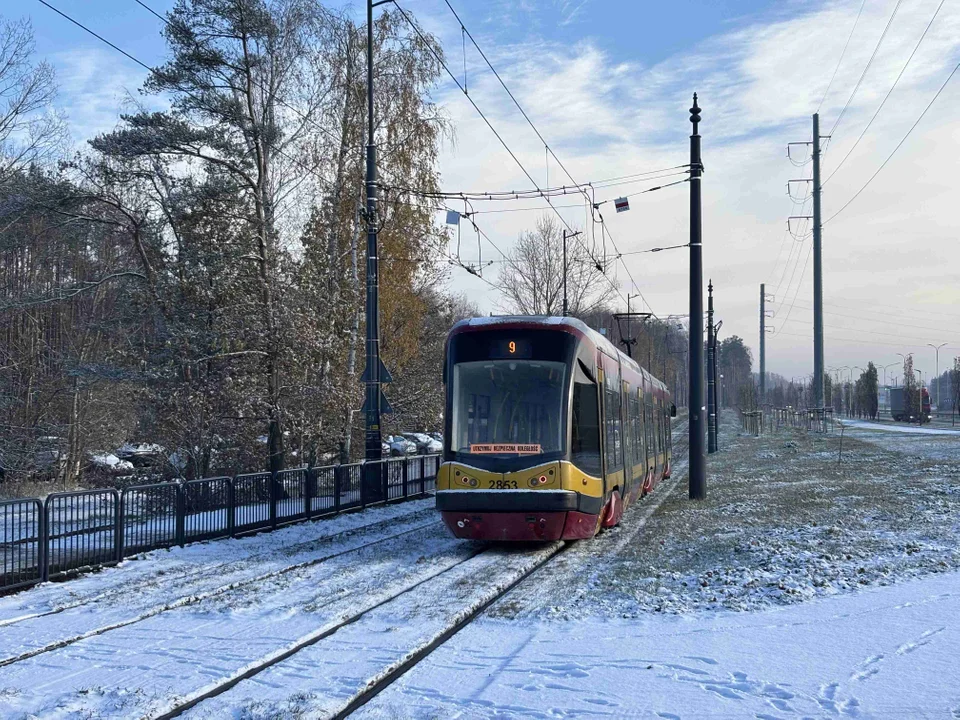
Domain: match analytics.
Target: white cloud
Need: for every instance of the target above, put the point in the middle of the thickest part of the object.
(94, 85)
(758, 86)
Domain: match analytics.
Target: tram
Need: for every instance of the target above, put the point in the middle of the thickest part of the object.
(550, 431)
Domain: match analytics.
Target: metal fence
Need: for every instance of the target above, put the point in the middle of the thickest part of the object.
(752, 422)
(812, 419)
(68, 532)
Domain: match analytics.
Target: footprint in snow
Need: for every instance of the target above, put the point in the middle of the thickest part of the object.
(671, 716)
(924, 639)
(867, 668)
(704, 660)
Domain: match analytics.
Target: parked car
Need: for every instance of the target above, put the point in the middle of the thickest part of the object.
(438, 437)
(142, 455)
(426, 445)
(400, 446)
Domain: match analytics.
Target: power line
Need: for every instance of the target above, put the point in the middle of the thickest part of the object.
(867, 67)
(889, 92)
(864, 331)
(899, 144)
(642, 192)
(653, 250)
(476, 107)
(154, 71)
(545, 143)
(98, 37)
(277, 98)
(842, 53)
(883, 315)
(538, 192)
(799, 283)
(509, 93)
(864, 343)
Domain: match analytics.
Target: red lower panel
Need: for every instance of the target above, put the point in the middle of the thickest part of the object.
(529, 527)
(579, 526)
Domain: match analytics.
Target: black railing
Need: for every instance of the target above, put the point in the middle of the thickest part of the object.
(74, 531)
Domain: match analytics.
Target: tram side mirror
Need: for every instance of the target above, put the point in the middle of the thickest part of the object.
(673, 410)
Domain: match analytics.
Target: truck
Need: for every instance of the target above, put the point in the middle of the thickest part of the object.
(900, 408)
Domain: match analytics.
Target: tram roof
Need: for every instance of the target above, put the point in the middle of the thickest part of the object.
(559, 322)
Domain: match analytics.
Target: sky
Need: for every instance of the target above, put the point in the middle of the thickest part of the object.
(608, 84)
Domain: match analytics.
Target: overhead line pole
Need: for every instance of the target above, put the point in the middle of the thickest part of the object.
(711, 376)
(817, 272)
(763, 344)
(372, 375)
(698, 460)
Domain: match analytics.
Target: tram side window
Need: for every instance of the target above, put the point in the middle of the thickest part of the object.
(585, 452)
(612, 418)
(651, 437)
(639, 450)
(658, 427)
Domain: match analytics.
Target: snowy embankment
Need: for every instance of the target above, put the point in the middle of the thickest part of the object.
(884, 653)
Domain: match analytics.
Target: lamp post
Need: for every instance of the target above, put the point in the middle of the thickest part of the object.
(904, 359)
(937, 348)
(920, 396)
(885, 371)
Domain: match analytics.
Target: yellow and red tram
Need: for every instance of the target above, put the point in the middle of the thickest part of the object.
(550, 431)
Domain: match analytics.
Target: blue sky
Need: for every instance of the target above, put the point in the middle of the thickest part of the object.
(608, 84)
(642, 31)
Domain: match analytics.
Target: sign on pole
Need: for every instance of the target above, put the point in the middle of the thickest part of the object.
(621, 204)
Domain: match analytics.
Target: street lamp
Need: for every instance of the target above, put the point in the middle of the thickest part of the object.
(937, 348)
(885, 371)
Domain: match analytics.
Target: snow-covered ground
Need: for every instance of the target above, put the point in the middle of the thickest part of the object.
(884, 653)
(899, 427)
(803, 586)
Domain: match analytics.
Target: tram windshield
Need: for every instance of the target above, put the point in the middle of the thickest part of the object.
(508, 407)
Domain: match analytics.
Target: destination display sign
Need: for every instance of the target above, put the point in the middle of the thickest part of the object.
(501, 448)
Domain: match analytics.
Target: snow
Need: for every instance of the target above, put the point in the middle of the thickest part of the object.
(109, 460)
(803, 586)
(886, 653)
(899, 428)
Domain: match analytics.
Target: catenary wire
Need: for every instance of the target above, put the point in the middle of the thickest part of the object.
(153, 70)
(476, 107)
(866, 67)
(887, 96)
(842, 53)
(899, 144)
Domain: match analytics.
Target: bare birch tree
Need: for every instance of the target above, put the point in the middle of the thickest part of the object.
(531, 279)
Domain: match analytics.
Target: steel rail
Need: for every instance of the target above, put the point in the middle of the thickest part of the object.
(201, 597)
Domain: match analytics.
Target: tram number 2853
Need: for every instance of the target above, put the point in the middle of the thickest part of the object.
(503, 484)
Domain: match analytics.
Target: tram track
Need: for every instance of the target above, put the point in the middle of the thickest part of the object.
(489, 573)
(420, 654)
(174, 579)
(387, 676)
(197, 598)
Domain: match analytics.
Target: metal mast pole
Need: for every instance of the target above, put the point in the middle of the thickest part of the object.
(711, 376)
(565, 274)
(372, 376)
(937, 348)
(698, 460)
(763, 344)
(817, 272)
